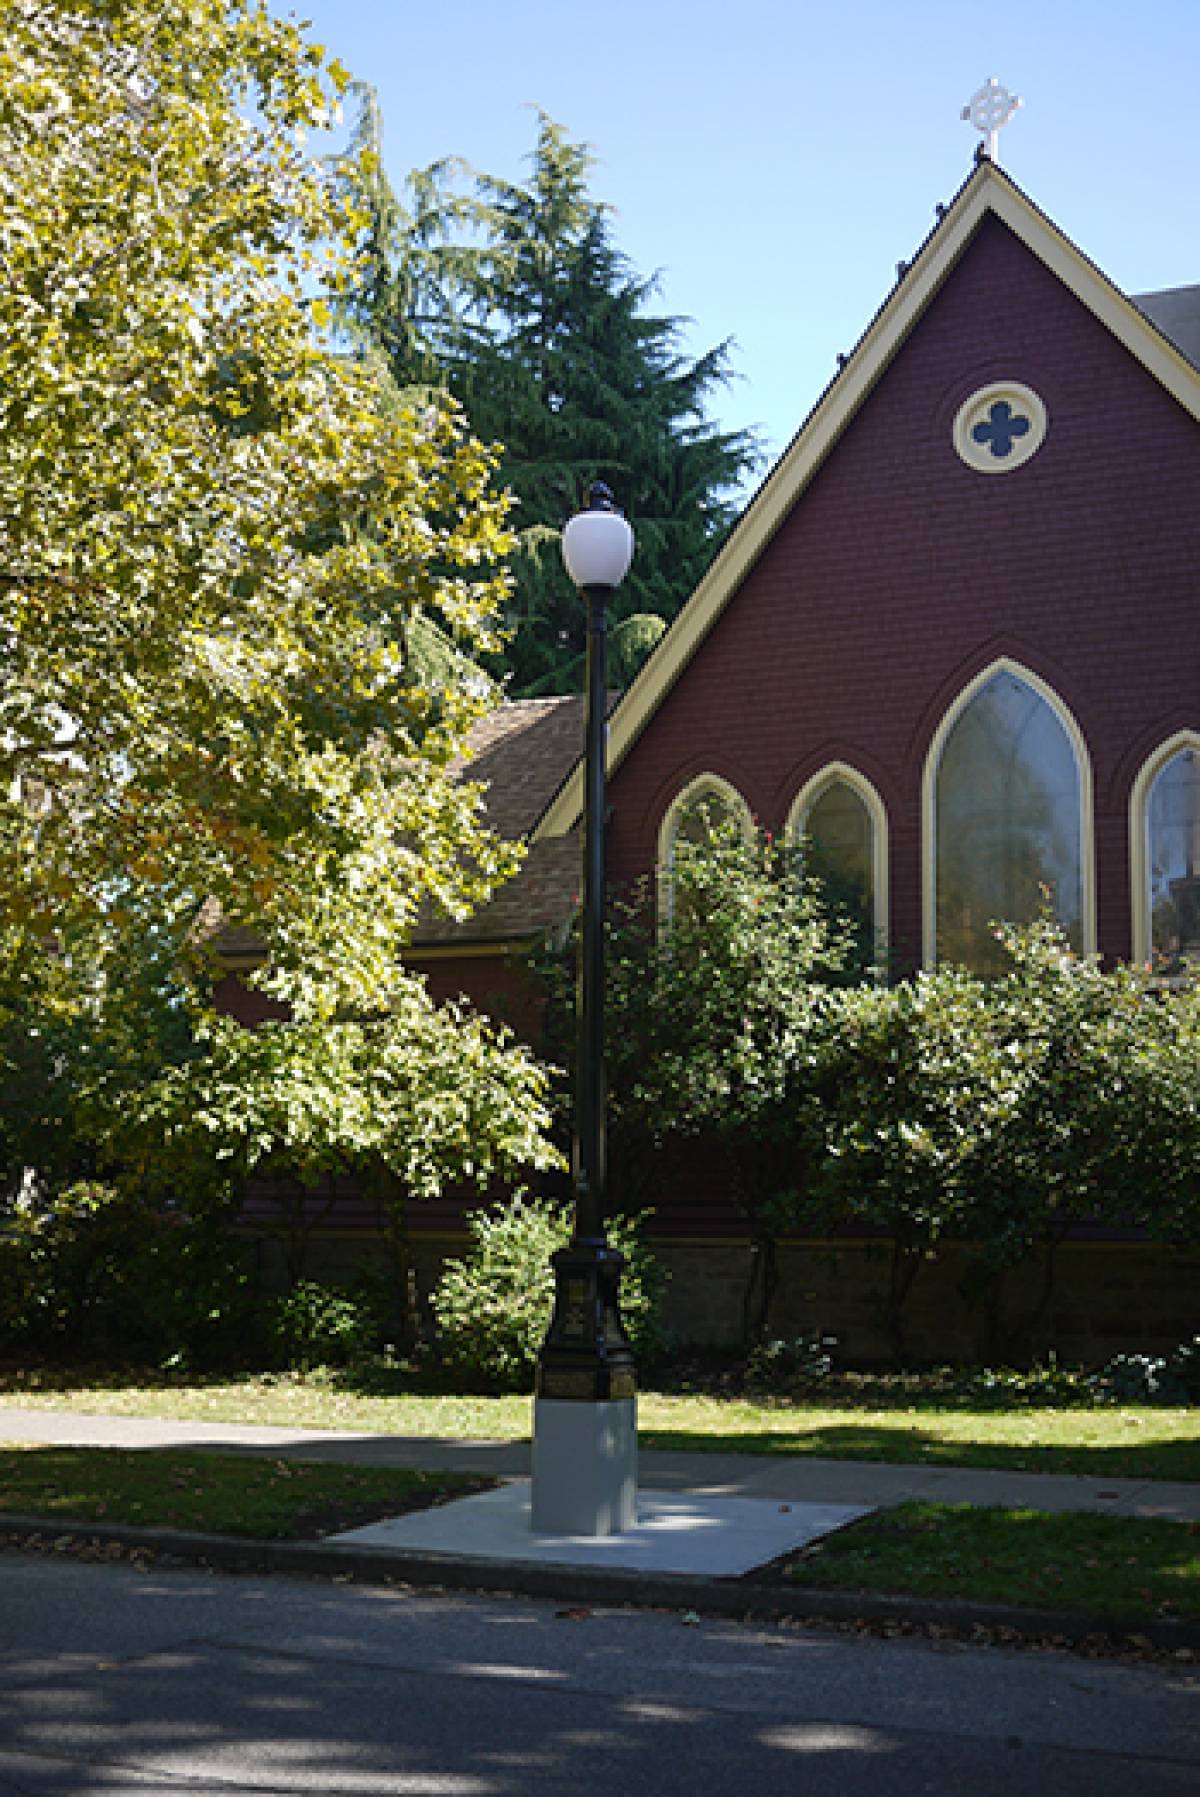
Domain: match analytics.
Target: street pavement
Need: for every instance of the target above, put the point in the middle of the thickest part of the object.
(119, 1680)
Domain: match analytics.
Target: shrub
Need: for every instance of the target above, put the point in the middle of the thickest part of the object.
(321, 1325)
(1142, 1379)
(493, 1305)
(786, 1363)
(190, 1297)
(1012, 1388)
(96, 1271)
(1155, 1378)
(1185, 1364)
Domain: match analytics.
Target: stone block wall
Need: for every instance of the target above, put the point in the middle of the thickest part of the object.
(1105, 1297)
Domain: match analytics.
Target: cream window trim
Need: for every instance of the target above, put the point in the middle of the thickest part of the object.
(1083, 762)
(807, 797)
(721, 789)
(988, 191)
(1139, 838)
(1019, 398)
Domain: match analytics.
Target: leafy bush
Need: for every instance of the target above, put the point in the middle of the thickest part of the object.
(320, 1325)
(1142, 1379)
(1012, 1388)
(1155, 1378)
(190, 1297)
(787, 1363)
(493, 1306)
(95, 1271)
(1185, 1364)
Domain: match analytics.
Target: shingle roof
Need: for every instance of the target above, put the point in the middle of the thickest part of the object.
(522, 754)
(1176, 312)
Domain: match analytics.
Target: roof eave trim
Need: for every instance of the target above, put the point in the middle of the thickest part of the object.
(987, 190)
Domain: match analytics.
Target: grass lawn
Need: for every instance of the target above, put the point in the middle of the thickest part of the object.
(847, 1419)
(1098, 1565)
(225, 1494)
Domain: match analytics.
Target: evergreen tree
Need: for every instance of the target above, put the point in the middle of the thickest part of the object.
(533, 318)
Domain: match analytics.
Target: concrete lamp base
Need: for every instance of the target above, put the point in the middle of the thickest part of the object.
(584, 1466)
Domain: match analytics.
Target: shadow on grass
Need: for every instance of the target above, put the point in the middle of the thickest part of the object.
(1159, 1447)
(1150, 1457)
(259, 1496)
(375, 1378)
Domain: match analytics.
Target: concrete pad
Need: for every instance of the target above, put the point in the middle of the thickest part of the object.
(719, 1537)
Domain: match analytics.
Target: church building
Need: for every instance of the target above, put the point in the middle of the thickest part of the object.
(954, 640)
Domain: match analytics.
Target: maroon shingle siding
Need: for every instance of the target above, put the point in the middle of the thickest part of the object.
(901, 574)
(499, 985)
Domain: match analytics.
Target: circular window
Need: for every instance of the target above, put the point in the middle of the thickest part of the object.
(1000, 427)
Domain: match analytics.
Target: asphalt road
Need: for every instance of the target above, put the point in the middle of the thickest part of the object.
(114, 1680)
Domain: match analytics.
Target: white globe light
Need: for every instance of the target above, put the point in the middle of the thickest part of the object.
(597, 547)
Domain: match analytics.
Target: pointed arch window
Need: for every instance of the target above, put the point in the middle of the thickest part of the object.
(1165, 833)
(1007, 820)
(704, 804)
(843, 824)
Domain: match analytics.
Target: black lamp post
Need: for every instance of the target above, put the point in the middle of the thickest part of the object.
(585, 1421)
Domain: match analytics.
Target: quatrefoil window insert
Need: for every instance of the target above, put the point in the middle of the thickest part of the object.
(1000, 427)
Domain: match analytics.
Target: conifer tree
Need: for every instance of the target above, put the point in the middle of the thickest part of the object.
(519, 297)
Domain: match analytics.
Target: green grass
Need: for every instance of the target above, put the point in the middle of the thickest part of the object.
(905, 1421)
(1136, 1442)
(225, 1494)
(1103, 1566)
(1095, 1565)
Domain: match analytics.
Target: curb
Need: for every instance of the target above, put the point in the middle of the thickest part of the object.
(743, 1598)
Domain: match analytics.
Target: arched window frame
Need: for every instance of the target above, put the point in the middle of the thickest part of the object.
(815, 789)
(695, 789)
(1139, 838)
(1083, 763)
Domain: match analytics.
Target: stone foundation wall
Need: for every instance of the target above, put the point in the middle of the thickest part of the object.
(1097, 1300)
(1104, 1297)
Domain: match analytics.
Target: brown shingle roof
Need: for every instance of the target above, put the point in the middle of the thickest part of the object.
(522, 753)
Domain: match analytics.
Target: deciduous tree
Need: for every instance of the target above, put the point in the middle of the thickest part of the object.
(213, 536)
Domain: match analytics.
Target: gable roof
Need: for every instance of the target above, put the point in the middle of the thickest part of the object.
(520, 754)
(1146, 332)
(1176, 312)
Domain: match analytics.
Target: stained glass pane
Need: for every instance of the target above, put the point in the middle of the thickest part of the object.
(709, 809)
(840, 851)
(1173, 841)
(705, 811)
(1008, 823)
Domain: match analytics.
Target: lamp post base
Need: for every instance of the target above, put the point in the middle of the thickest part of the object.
(584, 1466)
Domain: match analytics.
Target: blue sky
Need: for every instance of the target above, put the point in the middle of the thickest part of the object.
(775, 161)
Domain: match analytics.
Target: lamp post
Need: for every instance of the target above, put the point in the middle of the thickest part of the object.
(585, 1404)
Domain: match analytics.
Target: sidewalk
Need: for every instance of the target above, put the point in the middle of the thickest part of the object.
(713, 1487)
(781, 1477)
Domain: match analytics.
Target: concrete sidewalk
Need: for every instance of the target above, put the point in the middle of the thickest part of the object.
(783, 1478)
(682, 1494)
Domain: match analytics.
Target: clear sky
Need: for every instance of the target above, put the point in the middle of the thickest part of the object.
(775, 161)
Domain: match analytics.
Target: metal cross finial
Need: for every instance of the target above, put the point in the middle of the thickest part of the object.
(989, 111)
